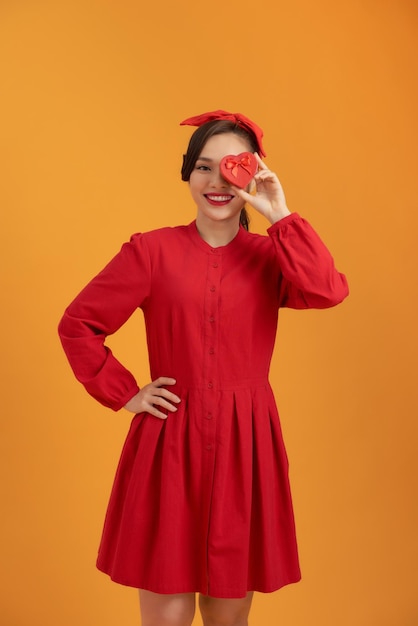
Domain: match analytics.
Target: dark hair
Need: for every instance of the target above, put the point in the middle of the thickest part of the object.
(198, 141)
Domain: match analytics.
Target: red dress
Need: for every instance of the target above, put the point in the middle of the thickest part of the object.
(201, 501)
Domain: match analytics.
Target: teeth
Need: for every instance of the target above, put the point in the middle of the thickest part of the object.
(219, 198)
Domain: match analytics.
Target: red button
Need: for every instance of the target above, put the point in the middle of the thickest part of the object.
(211, 319)
(208, 447)
(210, 385)
(215, 265)
(211, 351)
(212, 289)
(209, 416)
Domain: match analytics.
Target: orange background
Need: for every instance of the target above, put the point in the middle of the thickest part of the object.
(92, 94)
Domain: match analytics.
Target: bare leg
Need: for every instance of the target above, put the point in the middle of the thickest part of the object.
(225, 611)
(159, 609)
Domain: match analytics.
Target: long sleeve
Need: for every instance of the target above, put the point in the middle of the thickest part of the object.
(309, 277)
(102, 307)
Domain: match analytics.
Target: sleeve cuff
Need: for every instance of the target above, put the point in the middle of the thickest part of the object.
(125, 398)
(283, 222)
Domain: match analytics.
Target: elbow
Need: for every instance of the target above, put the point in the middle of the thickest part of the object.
(339, 292)
(66, 326)
(344, 289)
(334, 294)
(62, 330)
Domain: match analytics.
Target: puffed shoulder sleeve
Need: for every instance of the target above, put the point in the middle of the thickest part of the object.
(309, 278)
(99, 310)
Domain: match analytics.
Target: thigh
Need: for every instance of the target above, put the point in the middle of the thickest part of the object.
(159, 609)
(225, 610)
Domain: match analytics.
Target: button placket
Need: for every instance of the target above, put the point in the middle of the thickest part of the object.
(210, 375)
(210, 386)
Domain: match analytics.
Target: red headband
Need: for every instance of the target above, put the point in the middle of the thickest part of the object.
(238, 118)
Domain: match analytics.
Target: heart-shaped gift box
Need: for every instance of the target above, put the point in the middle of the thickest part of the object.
(239, 169)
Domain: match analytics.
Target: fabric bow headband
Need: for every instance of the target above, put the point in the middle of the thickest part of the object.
(237, 118)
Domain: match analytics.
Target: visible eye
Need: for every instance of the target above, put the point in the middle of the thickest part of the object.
(203, 168)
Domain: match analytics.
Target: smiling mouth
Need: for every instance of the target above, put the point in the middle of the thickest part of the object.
(218, 199)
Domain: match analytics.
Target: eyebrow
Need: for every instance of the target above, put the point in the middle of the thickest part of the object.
(204, 159)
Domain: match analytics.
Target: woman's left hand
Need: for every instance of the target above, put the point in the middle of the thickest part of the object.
(269, 199)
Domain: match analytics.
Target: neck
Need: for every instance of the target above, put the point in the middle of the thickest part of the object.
(217, 234)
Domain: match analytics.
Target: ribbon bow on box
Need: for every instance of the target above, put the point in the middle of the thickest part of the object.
(239, 169)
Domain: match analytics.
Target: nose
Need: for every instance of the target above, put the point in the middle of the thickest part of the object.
(217, 180)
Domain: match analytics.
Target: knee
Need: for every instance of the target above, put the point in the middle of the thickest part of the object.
(169, 610)
(224, 613)
(167, 618)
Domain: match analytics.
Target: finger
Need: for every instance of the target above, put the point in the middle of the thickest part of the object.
(266, 176)
(261, 164)
(164, 393)
(163, 380)
(156, 413)
(159, 401)
(242, 193)
(264, 173)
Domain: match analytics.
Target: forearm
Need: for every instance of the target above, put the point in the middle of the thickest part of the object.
(309, 276)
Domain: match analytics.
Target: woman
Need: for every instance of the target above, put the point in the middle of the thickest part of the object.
(201, 499)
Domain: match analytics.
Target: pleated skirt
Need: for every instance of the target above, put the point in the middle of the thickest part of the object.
(202, 503)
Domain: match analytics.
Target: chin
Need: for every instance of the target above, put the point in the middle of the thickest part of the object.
(218, 215)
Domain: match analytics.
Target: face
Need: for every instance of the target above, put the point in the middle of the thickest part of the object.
(215, 200)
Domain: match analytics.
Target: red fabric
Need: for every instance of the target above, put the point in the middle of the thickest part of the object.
(237, 118)
(201, 501)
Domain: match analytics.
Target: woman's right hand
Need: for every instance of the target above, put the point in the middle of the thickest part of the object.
(152, 396)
